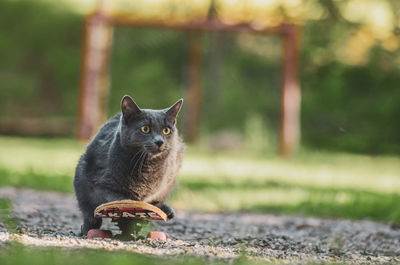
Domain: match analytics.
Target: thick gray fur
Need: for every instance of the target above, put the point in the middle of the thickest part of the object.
(122, 162)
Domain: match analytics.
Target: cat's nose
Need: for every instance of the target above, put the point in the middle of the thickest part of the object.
(159, 143)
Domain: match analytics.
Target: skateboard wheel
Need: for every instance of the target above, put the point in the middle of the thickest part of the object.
(158, 235)
(98, 233)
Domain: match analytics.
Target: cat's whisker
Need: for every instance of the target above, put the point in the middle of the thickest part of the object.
(130, 162)
(135, 156)
(142, 158)
(141, 165)
(143, 162)
(132, 159)
(137, 162)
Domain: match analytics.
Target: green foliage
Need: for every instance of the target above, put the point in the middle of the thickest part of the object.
(148, 65)
(351, 108)
(39, 59)
(356, 111)
(242, 84)
(347, 107)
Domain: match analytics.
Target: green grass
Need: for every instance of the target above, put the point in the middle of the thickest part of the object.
(15, 253)
(5, 216)
(311, 183)
(18, 254)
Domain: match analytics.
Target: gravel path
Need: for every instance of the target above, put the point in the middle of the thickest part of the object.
(52, 219)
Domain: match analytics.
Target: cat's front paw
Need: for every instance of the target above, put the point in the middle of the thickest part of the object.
(168, 210)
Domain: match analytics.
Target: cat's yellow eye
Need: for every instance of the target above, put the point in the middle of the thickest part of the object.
(145, 129)
(166, 131)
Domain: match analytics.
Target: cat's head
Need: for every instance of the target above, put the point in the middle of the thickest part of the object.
(153, 131)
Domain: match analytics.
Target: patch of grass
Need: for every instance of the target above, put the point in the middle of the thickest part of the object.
(341, 204)
(276, 197)
(311, 183)
(36, 180)
(5, 216)
(18, 254)
(38, 155)
(15, 253)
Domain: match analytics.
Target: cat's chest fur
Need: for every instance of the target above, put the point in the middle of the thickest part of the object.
(155, 178)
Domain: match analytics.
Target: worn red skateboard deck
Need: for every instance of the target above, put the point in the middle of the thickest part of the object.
(129, 209)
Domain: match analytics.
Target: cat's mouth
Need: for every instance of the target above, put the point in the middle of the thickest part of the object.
(154, 150)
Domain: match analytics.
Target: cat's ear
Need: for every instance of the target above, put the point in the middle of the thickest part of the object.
(173, 111)
(129, 108)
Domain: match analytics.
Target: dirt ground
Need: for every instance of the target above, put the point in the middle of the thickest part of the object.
(52, 219)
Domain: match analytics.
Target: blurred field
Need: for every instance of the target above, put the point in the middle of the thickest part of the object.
(311, 183)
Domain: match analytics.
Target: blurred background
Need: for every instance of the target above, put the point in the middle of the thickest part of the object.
(347, 163)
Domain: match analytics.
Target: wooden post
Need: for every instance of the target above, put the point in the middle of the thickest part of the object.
(291, 94)
(94, 81)
(193, 95)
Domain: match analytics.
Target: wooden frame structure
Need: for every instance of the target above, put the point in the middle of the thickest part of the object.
(97, 41)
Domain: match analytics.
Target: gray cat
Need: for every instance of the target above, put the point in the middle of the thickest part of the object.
(135, 155)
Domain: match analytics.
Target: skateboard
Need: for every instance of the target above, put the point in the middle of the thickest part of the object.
(129, 209)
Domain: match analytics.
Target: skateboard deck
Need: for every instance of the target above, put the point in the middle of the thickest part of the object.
(129, 209)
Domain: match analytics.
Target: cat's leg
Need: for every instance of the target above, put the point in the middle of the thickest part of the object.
(87, 206)
(90, 201)
(168, 210)
(89, 222)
